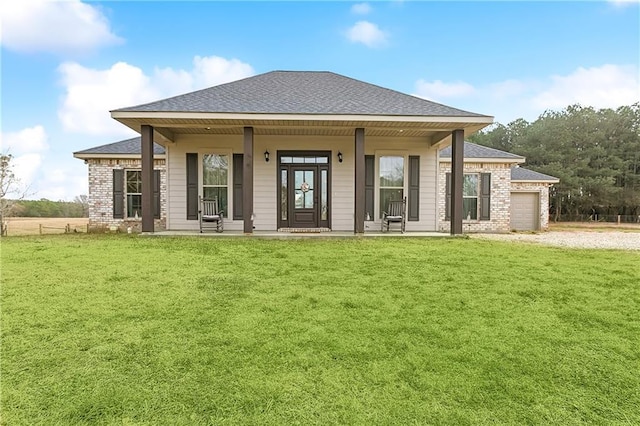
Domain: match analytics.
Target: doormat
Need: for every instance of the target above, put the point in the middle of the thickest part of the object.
(304, 230)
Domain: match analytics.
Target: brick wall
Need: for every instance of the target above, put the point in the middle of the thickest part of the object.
(500, 198)
(101, 193)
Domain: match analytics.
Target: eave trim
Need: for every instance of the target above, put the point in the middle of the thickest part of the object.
(299, 117)
(116, 156)
(535, 181)
(487, 160)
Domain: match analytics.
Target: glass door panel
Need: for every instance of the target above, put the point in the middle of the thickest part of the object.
(303, 210)
(304, 189)
(324, 199)
(284, 196)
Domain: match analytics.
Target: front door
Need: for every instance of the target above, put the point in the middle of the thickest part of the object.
(304, 190)
(304, 196)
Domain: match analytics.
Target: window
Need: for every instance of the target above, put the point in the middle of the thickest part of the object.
(133, 191)
(476, 196)
(215, 179)
(127, 194)
(470, 192)
(391, 180)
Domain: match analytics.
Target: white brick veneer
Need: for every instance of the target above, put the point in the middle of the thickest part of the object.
(500, 198)
(501, 187)
(101, 193)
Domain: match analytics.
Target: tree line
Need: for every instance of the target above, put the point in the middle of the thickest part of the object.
(48, 208)
(594, 153)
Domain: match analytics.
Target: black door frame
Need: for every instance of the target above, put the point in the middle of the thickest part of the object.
(319, 167)
(294, 211)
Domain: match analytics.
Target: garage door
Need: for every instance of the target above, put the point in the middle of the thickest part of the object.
(525, 211)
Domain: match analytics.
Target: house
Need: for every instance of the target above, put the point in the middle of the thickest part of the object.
(285, 150)
(519, 198)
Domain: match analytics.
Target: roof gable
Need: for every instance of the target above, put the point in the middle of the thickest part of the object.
(131, 146)
(301, 92)
(472, 150)
(522, 174)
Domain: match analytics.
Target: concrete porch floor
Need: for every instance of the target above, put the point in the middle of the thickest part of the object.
(295, 235)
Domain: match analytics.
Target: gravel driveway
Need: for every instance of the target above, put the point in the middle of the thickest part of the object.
(579, 239)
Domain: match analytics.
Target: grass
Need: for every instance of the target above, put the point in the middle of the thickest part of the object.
(130, 330)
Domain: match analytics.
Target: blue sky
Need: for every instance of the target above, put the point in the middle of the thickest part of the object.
(66, 64)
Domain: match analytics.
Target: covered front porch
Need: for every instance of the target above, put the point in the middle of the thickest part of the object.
(280, 235)
(345, 176)
(290, 149)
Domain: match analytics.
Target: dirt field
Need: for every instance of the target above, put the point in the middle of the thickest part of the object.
(593, 226)
(51, 225)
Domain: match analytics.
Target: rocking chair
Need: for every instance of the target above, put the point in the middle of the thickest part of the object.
(210, 215)
(396, 213)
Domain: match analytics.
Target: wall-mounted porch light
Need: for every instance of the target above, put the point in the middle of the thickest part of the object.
(266, 156)
(339, 157)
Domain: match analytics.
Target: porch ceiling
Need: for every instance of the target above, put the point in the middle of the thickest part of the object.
(436, 129)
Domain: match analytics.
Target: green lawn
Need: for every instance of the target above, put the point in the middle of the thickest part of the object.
(173, 331)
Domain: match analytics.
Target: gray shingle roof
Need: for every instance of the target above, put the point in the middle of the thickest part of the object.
(301, 92)
(127, 146)
(520, 173)
(472, 150)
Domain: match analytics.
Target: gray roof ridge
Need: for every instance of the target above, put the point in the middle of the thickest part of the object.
(106, 145)
(532, 174)
(440, 109)
(130, 146)
(490, 152)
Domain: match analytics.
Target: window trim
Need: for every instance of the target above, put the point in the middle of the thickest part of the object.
(126, 194)
(483, 214)
(405, 178)
(228, 213)
(477, 197)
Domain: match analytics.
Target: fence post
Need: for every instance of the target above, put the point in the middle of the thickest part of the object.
(40, 226)
(67, 229)
(618, 219)
(87, 228)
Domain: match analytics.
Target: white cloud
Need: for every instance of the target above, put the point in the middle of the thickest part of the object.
(607, 86)
(439, 89)
(26, 167)
(368, 34)
(27, 147)
(54, 26)
(63, 183)
(31, 139)
(42, 172)
(207, 71)
(361, 8)
(214, 70)
(91, 93)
